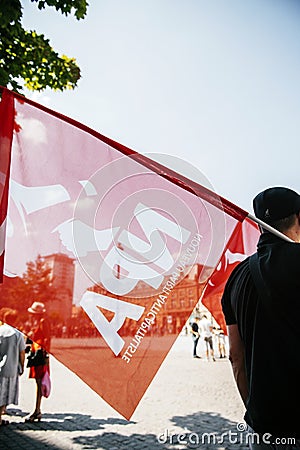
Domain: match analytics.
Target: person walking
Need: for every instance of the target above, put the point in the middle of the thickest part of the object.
(40, 342)
(207, 333)
(261, 306)
(195, 336)
(12, 355)
(221, 343)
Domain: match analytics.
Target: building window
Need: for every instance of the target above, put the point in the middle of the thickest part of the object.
(173, 304)
(192, 301)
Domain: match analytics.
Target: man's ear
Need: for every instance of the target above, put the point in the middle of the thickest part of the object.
(298, 219)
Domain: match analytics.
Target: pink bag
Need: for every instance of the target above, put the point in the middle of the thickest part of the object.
(46, 385)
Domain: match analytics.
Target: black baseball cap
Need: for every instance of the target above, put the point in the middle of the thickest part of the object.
(276, 203)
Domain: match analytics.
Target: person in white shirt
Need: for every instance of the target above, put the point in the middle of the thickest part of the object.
(12, 355)
(206, 331)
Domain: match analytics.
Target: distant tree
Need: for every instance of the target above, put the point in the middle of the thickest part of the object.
(36, 284)
(28, 56)
(38, 281)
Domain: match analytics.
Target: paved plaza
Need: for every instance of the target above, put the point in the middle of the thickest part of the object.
(191, 403)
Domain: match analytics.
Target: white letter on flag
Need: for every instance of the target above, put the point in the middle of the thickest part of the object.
(109, 330)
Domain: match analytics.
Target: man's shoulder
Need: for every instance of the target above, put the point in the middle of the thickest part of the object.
(235, 290)
(238, 278)
(291, 251)
(241, 268)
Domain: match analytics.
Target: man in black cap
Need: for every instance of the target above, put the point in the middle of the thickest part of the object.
(261, 304)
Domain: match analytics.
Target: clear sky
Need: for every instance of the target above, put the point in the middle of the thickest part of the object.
(215, 83)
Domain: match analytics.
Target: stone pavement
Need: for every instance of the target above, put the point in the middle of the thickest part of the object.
(190, 396)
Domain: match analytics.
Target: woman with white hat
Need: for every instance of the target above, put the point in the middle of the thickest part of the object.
(40, 336)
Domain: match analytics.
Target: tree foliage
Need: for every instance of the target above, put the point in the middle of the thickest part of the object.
(36, 284)
(28, 56)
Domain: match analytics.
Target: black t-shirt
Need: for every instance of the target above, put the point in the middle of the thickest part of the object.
(195, 327)
(271, 335)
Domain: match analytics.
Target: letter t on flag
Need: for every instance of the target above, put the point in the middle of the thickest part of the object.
(109, 240)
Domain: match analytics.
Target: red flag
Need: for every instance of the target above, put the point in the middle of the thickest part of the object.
(242, 243)
(6, 133)
(111, 242)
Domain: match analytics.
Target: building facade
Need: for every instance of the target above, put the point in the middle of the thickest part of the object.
(62, 279)
(180, 304)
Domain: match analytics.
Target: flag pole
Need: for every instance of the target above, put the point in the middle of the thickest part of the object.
(269, 228)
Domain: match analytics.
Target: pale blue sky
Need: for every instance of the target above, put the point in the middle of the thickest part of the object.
(215, 83)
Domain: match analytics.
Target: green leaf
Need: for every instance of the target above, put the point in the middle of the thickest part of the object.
(28, 56)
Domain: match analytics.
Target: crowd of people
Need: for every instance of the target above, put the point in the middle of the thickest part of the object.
(82, 327)
(212, 336)
(36, 343)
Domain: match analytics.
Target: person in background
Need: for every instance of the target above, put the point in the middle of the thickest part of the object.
(40, 337)
(261, 306)
(207, 333)
(221, 343)
(12, 355)
(195, 336)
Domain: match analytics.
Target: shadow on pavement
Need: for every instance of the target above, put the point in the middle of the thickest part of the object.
(14, 439)
(37, 435)
(205, 422)
(64, 421)
(202, 430)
